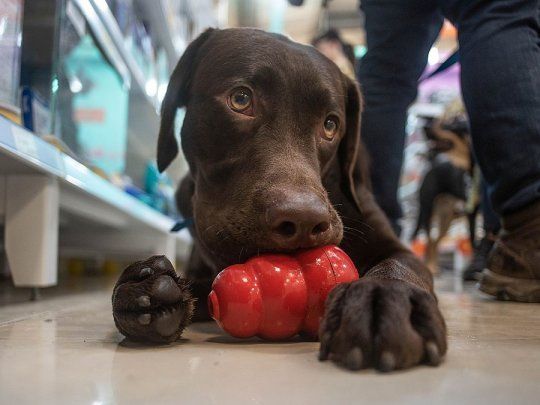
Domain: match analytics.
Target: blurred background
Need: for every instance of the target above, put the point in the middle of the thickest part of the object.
(85, 79)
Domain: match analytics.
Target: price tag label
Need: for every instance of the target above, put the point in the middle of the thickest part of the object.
(24, 141)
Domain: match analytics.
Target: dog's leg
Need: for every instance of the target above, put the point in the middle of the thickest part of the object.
(198, 273)
(200, 277)
(443, 215)
(431, 252)
(471, 218)
(433, 237)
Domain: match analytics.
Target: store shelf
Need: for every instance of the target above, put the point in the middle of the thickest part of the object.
(97, 216)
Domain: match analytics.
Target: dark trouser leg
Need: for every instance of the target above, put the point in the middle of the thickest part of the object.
(399, 37)
(500, 59)
(500, 74)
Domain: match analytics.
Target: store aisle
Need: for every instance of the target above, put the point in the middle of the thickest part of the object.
(65, 349)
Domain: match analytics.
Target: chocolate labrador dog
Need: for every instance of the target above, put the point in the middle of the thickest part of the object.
(271, 135)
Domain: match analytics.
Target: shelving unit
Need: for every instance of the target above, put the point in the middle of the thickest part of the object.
(44, 190)
(50, 203)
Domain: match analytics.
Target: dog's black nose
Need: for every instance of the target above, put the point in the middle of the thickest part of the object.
(298, 220)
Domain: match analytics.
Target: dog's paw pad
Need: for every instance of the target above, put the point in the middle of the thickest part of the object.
(166, 290)
(167, 322)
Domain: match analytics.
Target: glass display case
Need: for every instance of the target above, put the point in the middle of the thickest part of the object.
(114, 62)
(92, 77)
(92, 101)
(107, 95)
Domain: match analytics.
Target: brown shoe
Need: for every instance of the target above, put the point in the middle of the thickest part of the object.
(513, 267)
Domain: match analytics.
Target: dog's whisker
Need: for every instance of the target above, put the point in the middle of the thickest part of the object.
(240, 254)
(355, 233)
(208, 228)
(350, 227)
(219, 232)
(354, 230)
(348, 240)
(359, 221)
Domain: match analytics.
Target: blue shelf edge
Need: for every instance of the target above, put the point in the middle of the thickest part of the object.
(25, 147)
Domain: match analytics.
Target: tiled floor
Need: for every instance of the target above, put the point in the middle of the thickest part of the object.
(64, 349)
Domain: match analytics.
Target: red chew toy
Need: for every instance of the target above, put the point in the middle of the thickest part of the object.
(276, 296)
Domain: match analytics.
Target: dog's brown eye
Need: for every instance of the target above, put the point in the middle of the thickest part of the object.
(330, 127)
(241, 100)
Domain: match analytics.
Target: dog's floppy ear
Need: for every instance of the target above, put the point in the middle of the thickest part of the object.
(177, 96)
(349, 148)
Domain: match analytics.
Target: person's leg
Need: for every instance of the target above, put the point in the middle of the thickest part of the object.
(399, 35)
(500, 74)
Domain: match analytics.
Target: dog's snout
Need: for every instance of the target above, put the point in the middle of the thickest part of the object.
(298, 220)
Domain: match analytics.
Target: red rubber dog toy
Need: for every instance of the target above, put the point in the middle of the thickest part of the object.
(276, 296)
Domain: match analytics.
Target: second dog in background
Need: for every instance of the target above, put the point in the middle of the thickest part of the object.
(444, 192)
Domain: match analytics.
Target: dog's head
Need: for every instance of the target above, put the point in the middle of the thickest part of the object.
(266, 119)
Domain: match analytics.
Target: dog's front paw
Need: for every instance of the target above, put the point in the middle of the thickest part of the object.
(387, 324)
(151, 303)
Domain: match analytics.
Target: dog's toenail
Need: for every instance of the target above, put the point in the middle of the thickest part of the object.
(324, 352)
(144, 319)
(325, 346)
(353, 360)
(144, 301)
(147, 271)
(432, 353)
(387, 362)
